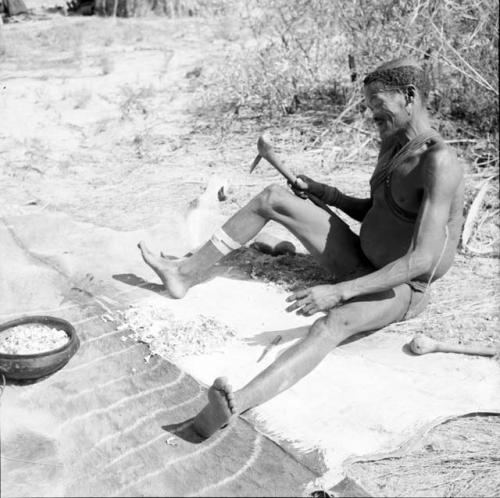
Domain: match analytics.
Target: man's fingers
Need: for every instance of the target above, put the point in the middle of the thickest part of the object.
(297, 295)
(309, 309)
(299, 193)
(297, 304)
(301, 184)
(300, 311)
(299, 188)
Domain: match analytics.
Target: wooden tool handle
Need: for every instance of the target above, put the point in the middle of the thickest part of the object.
(266, 151)
(476, 349)
(421, 344)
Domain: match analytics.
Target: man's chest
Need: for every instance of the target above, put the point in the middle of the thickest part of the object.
(403, 186)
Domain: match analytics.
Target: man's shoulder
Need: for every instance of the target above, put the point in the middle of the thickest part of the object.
(440, 155)
(440, 163)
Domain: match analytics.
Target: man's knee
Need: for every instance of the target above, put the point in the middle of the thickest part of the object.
(332, 328)
(271, 199)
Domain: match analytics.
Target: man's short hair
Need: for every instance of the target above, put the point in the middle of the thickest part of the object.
(398, 74)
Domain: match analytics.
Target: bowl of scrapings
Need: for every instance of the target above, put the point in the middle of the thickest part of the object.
(32, 347)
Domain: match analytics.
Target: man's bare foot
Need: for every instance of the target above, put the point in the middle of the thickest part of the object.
(219, 410)
(168, 271)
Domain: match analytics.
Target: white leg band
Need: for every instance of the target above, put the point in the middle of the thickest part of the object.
(225, 244)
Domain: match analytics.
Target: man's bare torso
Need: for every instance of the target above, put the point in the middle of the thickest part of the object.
(386, 235)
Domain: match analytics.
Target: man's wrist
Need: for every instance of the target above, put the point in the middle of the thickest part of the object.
(346, 290)
(332, 196)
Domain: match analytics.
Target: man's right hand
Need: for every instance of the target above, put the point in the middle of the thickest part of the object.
(302, 186)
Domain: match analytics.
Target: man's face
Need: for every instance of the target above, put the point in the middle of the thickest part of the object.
(389, 108)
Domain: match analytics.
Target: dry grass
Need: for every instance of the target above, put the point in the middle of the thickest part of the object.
(292, 49)
(457, 458)
(464, 305)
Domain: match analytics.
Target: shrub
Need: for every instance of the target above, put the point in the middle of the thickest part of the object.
(298, 49)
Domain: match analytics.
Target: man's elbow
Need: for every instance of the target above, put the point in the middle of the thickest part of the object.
(420, 263)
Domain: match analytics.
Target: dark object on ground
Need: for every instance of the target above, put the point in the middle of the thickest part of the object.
(352, 68)
(348, 487)
(132, 8)
(194, 73)
(14, 7)
(268, 244)
(35, 366)
(81, 7)
(289, 272)
(2, 41)
(320, 494)
(284, 247)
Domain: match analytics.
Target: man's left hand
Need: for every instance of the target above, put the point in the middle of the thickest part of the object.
(307, 302)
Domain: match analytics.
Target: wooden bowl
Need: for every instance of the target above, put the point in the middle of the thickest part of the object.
(35, 366)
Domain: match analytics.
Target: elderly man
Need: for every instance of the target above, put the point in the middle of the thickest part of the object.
(410, 227)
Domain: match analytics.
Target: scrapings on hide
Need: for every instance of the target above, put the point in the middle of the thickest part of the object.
(288, 271)
(31, 339)
(173, 337)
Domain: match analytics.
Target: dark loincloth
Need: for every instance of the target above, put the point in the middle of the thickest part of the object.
(419, 299)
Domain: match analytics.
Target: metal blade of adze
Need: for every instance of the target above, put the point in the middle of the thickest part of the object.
(266, 151)
(255, 162)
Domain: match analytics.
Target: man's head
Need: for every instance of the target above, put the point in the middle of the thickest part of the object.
(396, 93)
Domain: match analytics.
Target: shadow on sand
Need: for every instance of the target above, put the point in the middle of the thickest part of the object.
(288, 271)
(135, 281)
(184, 430)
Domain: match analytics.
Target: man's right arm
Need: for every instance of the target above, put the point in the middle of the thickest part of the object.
(352, 206)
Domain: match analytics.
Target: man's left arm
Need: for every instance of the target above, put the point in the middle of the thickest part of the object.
(441, 181)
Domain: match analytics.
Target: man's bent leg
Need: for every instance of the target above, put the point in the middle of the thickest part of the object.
(179, 276)
(361, 315)
(327, 237)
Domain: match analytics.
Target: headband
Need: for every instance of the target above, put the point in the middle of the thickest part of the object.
(399, 77)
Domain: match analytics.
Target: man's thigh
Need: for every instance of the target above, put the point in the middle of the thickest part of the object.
(332, 243)
(372, 312)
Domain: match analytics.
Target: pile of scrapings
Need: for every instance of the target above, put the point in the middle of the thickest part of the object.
(288, 271)
(31, 339)
(172, 337)
(457, 458)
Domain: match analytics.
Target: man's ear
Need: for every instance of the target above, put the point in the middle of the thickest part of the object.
(410, 94)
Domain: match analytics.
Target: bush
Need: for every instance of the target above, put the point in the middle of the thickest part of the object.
(297, 49)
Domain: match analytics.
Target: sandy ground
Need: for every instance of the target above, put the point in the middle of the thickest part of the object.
(106, 120)
(103, 120)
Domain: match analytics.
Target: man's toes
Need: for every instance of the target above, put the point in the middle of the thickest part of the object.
(148, 256)
(143, 247)
(222, 384)
(230, 401)
(165, 255)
